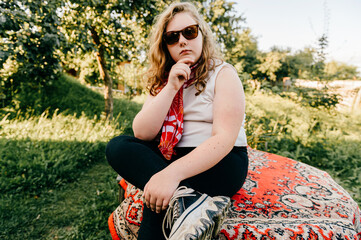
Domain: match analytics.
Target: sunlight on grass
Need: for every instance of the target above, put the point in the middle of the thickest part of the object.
(59, 127)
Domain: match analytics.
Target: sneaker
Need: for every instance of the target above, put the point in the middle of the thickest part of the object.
(200, 220)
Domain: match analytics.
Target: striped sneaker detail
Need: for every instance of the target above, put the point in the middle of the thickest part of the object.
(202, 220)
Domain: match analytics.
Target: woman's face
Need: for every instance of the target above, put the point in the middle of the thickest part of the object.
(191, 48)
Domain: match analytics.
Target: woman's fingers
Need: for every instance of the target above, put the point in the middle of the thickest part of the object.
(158, 192)
(153, 203)
(146, 196)
(179, 73)
(165, 204)
(156, 203)
(159, 205)
(182, 74)
(187, 60)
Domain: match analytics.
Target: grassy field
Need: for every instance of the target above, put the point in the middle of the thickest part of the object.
(56, 184)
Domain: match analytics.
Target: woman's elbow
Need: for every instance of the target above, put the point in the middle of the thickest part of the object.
(143, 132)
(143, 137)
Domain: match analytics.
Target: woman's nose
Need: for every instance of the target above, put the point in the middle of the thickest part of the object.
(182, 40)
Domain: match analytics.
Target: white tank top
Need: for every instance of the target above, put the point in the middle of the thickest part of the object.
(198, 114)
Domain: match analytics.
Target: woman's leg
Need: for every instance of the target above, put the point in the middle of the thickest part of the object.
(225, 178)
(137, 161)
(134, 159)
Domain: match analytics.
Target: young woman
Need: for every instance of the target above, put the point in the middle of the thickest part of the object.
(190, 144)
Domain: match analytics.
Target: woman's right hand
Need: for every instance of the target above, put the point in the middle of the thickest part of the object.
(149, 120)
(179, 73)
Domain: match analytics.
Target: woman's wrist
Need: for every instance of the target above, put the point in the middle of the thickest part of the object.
(171, 88)
(174, 172)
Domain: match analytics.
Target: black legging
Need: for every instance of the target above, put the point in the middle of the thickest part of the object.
(137, 161)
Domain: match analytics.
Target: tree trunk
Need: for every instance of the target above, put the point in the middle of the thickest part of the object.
(108, 82)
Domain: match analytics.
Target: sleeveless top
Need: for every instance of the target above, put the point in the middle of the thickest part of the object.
(198, 113)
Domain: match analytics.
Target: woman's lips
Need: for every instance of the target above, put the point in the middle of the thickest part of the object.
(185, 52)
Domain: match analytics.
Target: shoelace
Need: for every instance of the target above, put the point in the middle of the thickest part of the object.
(182, 191)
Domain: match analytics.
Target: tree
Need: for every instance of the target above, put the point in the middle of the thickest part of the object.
(112, 29)
(302, 63)
(270, 64)
(341, 71)
(319, 66)
(224, 21)
(286, 62)
(244, 55)
(29, 39)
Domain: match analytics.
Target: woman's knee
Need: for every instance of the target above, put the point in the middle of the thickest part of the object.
(225, 178)
(117, 146)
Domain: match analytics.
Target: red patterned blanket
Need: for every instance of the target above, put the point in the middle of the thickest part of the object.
(281, 199)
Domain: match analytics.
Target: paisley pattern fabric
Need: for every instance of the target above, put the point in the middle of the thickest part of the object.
(281, 199)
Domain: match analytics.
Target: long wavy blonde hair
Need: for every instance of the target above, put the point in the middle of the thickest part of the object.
(160, 59)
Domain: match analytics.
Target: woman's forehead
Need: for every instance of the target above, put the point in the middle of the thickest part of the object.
(180, 21)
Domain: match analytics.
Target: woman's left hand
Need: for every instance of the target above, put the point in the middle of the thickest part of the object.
(159, 190)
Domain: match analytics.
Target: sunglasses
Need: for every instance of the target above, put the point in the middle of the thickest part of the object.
(172, 37)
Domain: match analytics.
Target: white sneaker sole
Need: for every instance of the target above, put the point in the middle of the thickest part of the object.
(202, 220)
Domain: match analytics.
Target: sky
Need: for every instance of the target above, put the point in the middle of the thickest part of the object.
(299, 23)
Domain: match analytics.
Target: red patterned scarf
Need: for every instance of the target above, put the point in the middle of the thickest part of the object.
(172, 129)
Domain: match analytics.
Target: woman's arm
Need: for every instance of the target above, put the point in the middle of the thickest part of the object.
(228, 113)
(148, 122)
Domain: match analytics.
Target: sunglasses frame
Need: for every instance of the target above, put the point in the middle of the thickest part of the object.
(179, 32)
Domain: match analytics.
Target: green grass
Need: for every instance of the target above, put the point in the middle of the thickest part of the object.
(54, 179)
(56, 184)
(70, 97)
(79, 210)
(48, 152)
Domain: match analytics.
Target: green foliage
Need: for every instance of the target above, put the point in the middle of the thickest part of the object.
(47, 190)
(270, 64)
(30, 36)
(84, 66)
(312, 97)
(71, 97)
(300, 63)
(119, 25)
(224, 21)
(130, 78)
(340, 71)
(244, 55)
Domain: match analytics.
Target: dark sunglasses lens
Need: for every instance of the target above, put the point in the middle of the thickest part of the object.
(171, 38)
(190, 32)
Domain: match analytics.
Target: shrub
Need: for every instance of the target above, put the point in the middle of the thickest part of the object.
(312, 97)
